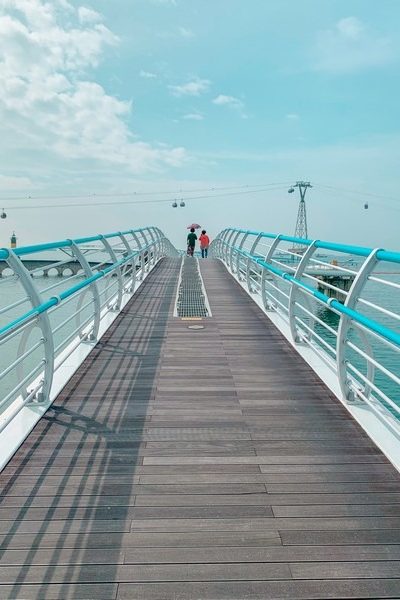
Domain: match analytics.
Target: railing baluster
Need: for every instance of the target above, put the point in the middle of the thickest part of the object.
(131, 263)
(93, 287)
(345, 324)
(232, 251)
(151, 253)
(267, 305)
(114, 260)
(252, 250)
(43, 321)
(294, 290)
(141, 253)
(145, 263)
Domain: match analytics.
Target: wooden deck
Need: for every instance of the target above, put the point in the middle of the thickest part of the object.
(198, 464)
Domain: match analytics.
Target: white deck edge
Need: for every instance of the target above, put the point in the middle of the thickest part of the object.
(386, 438)
(178, 287)
(203, 288)
(16, 432)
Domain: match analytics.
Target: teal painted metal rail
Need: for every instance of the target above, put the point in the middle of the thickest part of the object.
(334, 304)
(319, 244)
(54, 300)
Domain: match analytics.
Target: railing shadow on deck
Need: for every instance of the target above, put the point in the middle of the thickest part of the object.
(142, 325)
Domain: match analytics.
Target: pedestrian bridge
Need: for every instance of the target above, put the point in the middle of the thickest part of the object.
(200, 429)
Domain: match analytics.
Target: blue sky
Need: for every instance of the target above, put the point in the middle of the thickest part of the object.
(168, 95)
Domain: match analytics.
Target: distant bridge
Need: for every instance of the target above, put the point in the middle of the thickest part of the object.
(42, 267)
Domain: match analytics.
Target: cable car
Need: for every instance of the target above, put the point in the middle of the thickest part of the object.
(175, 204)
(290, 190)
(182, 203)
(3, 215)
(366, 206)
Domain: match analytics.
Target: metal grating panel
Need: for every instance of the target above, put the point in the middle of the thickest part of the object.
(191, 301)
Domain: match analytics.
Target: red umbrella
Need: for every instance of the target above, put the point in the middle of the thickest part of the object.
(193, 226)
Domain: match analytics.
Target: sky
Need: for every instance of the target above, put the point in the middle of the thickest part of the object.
(111, 110)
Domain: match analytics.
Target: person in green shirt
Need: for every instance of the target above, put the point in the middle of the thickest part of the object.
(191, 242)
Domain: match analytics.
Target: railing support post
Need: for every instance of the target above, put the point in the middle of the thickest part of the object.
(138, 256)
(227, 238)
(266, 303)
(152, 250)
(44, 323)
(294, 290)
(344, 326)
(232, 250)
(145, 265)
(141, 253)
(76, 251)
(157, 245)
(249, 261)
(131, 286)
(114, 259)
(238, 255)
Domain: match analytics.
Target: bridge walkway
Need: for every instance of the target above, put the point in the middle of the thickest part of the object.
(209, 463)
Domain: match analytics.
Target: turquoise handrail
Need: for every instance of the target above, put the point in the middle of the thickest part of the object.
(356, 316)
(54, 300)
(24, 250)
(345, 248)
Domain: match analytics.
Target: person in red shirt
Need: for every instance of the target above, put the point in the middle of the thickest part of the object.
(204, 243)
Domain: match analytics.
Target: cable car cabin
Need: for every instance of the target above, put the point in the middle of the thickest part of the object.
(366, 206)
(174, 205)
(182, 203)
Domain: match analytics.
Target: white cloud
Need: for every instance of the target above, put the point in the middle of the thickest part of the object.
(45, 51)
(292, 117)
(87, 15)
(223, 100)
(195, 87)
(350, 27)
(186, 33)
(231, 102)
(147, 75)
(350, 46)
(193, 117)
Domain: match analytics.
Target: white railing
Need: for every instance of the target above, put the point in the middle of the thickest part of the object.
(45, 319)
(341, 301)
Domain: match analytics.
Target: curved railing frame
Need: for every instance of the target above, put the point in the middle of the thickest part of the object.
(245, 265)
(42, 321)
(147, 247)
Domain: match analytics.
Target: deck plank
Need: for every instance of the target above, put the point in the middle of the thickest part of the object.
(205, 464)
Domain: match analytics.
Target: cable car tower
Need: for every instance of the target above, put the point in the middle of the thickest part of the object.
(301, 223)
